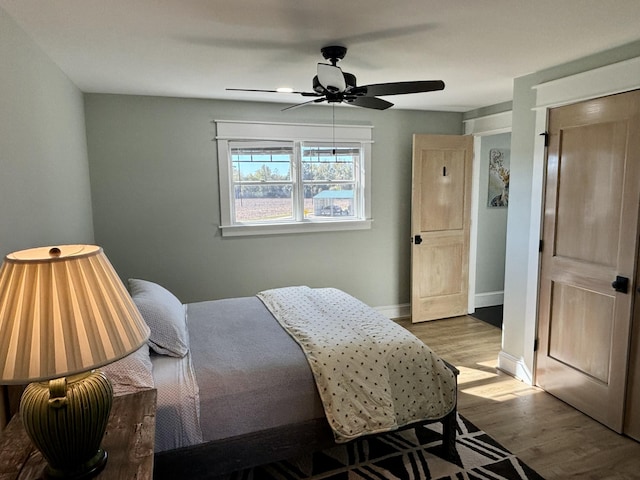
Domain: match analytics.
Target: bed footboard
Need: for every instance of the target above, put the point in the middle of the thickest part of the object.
(221, 457)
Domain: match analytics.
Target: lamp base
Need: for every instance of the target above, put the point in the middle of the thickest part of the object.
(83, 472)
(66, 419)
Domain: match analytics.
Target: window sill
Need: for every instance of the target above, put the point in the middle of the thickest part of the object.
(287, 228)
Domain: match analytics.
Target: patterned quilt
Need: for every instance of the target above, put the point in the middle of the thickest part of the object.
(372, 374)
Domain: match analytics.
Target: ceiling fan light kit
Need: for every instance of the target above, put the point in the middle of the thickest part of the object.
(330, 78)
(332, 85)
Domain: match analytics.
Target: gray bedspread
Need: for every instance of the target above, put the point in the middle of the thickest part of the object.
(245, 362)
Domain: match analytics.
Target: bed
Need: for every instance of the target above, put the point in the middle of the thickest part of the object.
(242, 381)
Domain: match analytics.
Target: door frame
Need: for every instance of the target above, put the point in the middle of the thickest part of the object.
(608, 80)
(479, 127)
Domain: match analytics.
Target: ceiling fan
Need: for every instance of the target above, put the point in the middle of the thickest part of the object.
(332, 85)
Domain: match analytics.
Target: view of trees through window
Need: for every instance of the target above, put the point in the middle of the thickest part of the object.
(269, 181)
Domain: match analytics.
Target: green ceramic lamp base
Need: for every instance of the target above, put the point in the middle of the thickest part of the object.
(84, 471)
(66, 419)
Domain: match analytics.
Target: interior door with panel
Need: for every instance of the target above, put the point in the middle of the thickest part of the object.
(590, 226)
(632, 409)
(440, 225)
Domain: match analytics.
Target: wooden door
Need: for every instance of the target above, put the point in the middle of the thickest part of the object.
(440, 225)
(632, 409)
(590, 233)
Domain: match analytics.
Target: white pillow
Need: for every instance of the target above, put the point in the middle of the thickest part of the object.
(131, 373)
(164, 314)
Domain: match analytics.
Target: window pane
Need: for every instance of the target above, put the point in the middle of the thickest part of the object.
(261, 163)
(326, 162)
(257, 203)
(322, 201)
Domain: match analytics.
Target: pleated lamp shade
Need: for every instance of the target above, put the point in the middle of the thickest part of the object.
(63, 310)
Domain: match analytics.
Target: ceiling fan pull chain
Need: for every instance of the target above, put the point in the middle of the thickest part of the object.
(333, 123)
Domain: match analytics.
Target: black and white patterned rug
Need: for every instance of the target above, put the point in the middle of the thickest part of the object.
(407, 455)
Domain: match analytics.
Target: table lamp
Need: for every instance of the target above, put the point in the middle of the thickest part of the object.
(63, 313)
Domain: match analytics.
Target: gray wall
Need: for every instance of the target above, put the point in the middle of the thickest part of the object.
(156, 205)
(44, 176)
(488, 110)
(492, 225)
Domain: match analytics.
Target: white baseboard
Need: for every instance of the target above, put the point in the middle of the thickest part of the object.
(514, 367)
(489, 299)
(395, 311)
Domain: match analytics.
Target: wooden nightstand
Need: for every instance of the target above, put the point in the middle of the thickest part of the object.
(129, 443)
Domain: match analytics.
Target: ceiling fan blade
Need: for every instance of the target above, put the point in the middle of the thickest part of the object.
(316, 100)
(370, 102)
(400, 88)
(304, 94)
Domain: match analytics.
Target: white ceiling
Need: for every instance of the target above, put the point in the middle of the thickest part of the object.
(197, 48)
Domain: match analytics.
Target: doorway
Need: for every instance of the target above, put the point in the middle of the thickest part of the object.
(492, 206)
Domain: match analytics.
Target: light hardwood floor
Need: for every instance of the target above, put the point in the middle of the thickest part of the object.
(551, 437)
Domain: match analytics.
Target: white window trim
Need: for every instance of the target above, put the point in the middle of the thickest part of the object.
(228, 130)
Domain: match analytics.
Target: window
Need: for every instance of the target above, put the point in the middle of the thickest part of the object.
(314, 180)
(262, 181)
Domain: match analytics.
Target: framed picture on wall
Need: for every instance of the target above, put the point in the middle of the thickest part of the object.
(498, 178)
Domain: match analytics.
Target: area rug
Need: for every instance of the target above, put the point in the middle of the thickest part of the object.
(407, 455)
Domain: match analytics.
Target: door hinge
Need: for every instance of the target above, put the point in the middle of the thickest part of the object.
(546, 138)
(540, 246)
(535, 345)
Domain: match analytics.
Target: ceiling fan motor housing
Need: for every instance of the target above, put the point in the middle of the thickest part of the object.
(334, 53)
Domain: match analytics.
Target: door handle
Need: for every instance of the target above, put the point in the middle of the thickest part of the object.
(417, 239)
(621, 284)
